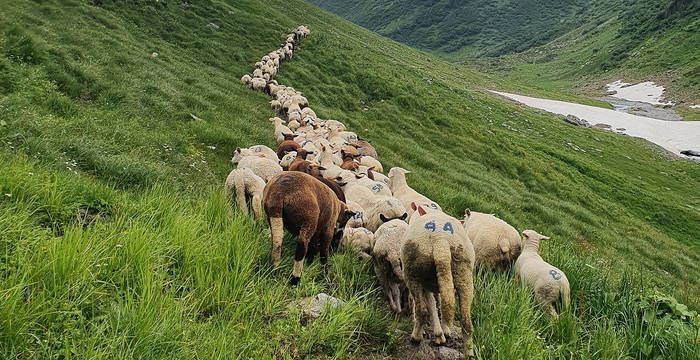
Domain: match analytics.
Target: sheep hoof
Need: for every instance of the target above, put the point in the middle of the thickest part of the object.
(439, 340)
(294, 281)
(416, 341)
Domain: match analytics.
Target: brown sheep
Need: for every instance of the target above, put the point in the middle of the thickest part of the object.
(365, 148)
(287, 145)
(309, 210)
(315, 171)
(349, 153)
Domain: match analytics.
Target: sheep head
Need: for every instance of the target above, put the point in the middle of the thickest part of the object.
(534, 235)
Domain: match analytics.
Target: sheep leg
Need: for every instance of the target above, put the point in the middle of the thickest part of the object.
(429, 299)
(549, 309)
(277, 232)
(464, 284)
(396, 292)
(257, 206)
(240, 199)
(326, 239)
(303, 239)
(381, 277)
(420, 312)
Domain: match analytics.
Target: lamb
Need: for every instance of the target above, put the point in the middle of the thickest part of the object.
(287, 145)
(383, 209)
(371, 162)
(438, 258)
(496, 243)
(309, 210)
(388, 240)
(548, 283)
(241, 182)
(360, 239)
(336, 124)
(260, 165)
(403, 192)
(246, 79)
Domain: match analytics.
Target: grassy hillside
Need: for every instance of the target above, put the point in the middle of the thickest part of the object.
(656, 41)
(456, 30)
(116, 240)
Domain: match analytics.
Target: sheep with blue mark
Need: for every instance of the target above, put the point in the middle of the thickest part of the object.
(438, 258)
(359, 239)
(382, 209)
(406, 194)
(548, 283)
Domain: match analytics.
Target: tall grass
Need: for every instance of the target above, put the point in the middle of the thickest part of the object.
(116, 240)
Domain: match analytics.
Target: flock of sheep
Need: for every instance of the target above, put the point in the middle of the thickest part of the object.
(325, 185)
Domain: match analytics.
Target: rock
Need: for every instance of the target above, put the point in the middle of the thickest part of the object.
(313, 306)
(602, 126)
(621, 129)
(195, 117)
(691, 153)
(445, 353)
(214, 26)
(573, 120)
(429, 80)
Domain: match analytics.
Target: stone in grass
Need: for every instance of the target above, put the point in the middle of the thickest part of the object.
(573, 120)
(214, 26)
(313, 306)
(427, 350)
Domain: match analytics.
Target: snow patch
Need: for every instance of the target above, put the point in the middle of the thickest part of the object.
(646, 92)
(674, 136)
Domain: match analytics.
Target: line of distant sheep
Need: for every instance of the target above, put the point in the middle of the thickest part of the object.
(326, 186)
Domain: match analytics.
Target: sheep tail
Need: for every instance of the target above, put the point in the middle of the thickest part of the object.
(565, 296)
(443, 268)
(503, 243)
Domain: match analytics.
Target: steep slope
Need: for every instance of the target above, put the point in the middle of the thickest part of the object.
(459, 29)
(116, 240)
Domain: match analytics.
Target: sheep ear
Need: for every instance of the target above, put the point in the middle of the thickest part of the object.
(421, 212)
(404, 216)
(383, 218)
(542, 237)
(238, 149)
(462, 221)
(321, 168)
(413, 206)
(358, 176)
(467, 212)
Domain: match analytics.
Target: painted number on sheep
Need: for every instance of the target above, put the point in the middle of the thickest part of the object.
(430, 226)
(377, 187)
(257, 149)
(434, 206)
(448, 228)
(555, 274)
(358, 215)
(285, 180)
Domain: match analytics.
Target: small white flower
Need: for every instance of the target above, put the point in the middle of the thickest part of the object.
(8, 195)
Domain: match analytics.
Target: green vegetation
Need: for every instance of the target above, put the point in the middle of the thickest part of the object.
(116, 240)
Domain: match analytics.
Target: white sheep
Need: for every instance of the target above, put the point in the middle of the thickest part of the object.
(360, 239)
(388, 240)
(378, 188)
(548, 283)
(308, 112)
(403, 192)
(258, 84)
(241, 182)
(371, 162)
(438, 258)
(355, 192)
(381, 178)
(262, 166)
(275, 104)
(246, 79)
(336, 124)
(381, 210)
(496, 243)
(258, 150)
(257, 73)
(357, 220)
(293, 125)
(280, 129)
(287, 159)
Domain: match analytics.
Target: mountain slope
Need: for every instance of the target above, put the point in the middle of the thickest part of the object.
(458, 29)
(116, 240)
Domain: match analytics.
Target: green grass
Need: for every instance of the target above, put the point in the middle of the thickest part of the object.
(104, 165)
